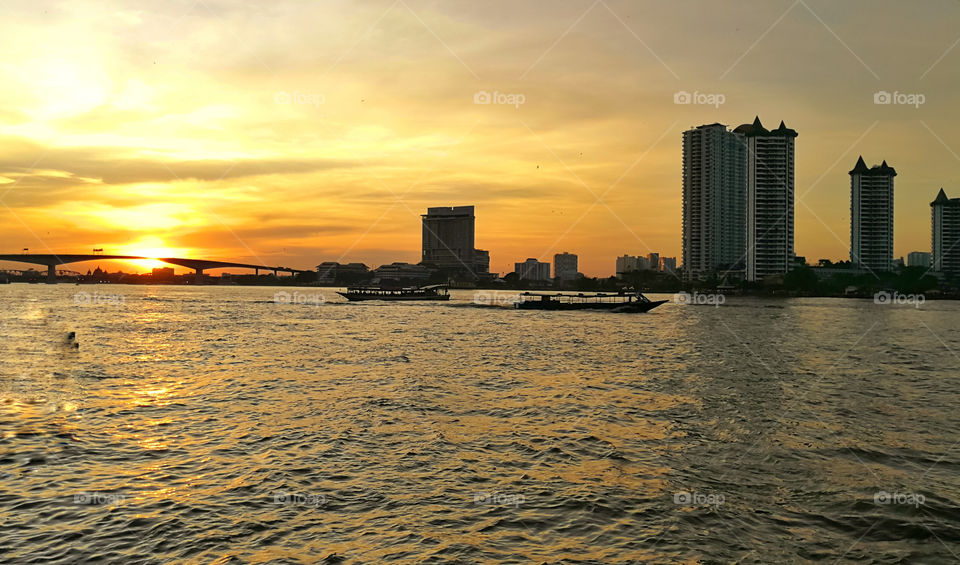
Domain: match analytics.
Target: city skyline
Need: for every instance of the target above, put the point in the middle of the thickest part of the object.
(310, 157)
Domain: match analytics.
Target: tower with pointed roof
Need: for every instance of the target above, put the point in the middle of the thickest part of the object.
(770, 188)
(714, 202)
(871, 216)
(946, 234)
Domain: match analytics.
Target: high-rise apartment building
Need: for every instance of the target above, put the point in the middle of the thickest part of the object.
(770, 199)
(946, 234)
(714, 201)
(871, 216)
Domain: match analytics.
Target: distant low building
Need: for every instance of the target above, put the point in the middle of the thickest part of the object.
(918, 259)
(329, 272)
(629, 264)
(668, 265)
(565, 266)
(654, 261)
(162, 273)
(532, 270)
(481, 262)
(402, 272)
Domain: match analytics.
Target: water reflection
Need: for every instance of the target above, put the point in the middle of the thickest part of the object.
(446, 432)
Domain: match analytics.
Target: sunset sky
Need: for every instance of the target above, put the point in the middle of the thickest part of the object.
(291, 132)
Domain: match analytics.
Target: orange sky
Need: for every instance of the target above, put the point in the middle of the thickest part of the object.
(293, 133)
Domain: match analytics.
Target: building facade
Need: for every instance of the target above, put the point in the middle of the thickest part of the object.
(714, 201)
(329, 272)
(654, 260)
(481, 262)
(871, 216)
(629, 264)
(532, 270)
(448, 238)
(770, 199)
(668, 265)
(565, 266)
(945, 258)
(401, 273)
(918, 259)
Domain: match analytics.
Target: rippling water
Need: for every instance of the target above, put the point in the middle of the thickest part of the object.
(214, 425)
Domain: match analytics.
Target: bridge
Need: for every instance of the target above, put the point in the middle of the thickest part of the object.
(198, 265)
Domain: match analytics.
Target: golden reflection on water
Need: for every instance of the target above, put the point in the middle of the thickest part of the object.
(400, 415)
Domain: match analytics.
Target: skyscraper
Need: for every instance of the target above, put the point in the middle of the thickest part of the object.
(770, 199)
(871, 216)
(448, 238)
(565, 266)
(714, 201)
(946, 234)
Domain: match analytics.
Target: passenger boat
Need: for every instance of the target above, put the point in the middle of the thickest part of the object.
(432, 292)
(621, 302)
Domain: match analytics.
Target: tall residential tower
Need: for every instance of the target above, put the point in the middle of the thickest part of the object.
(871, 216)
(770, 199)
(946, 234)
(714, 201)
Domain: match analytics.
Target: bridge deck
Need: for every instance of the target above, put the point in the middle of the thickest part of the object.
(51, 260)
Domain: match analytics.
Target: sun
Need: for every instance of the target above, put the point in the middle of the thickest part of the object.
(151, 247)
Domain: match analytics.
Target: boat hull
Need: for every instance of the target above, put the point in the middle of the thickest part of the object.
(358, 297)
(621, 307)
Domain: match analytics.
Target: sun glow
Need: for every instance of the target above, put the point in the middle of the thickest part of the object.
(152, 247)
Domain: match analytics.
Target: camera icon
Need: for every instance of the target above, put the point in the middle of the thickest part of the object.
(482, 97)
(882, 97)
(81, 298)
(280, 498)
(682, 498)
(482, 298)
(681, 298)
(281, 98)
(882, 497)
(282, 297)
(882, 297)
(682, 97)
(81, 498)
(481, 498)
